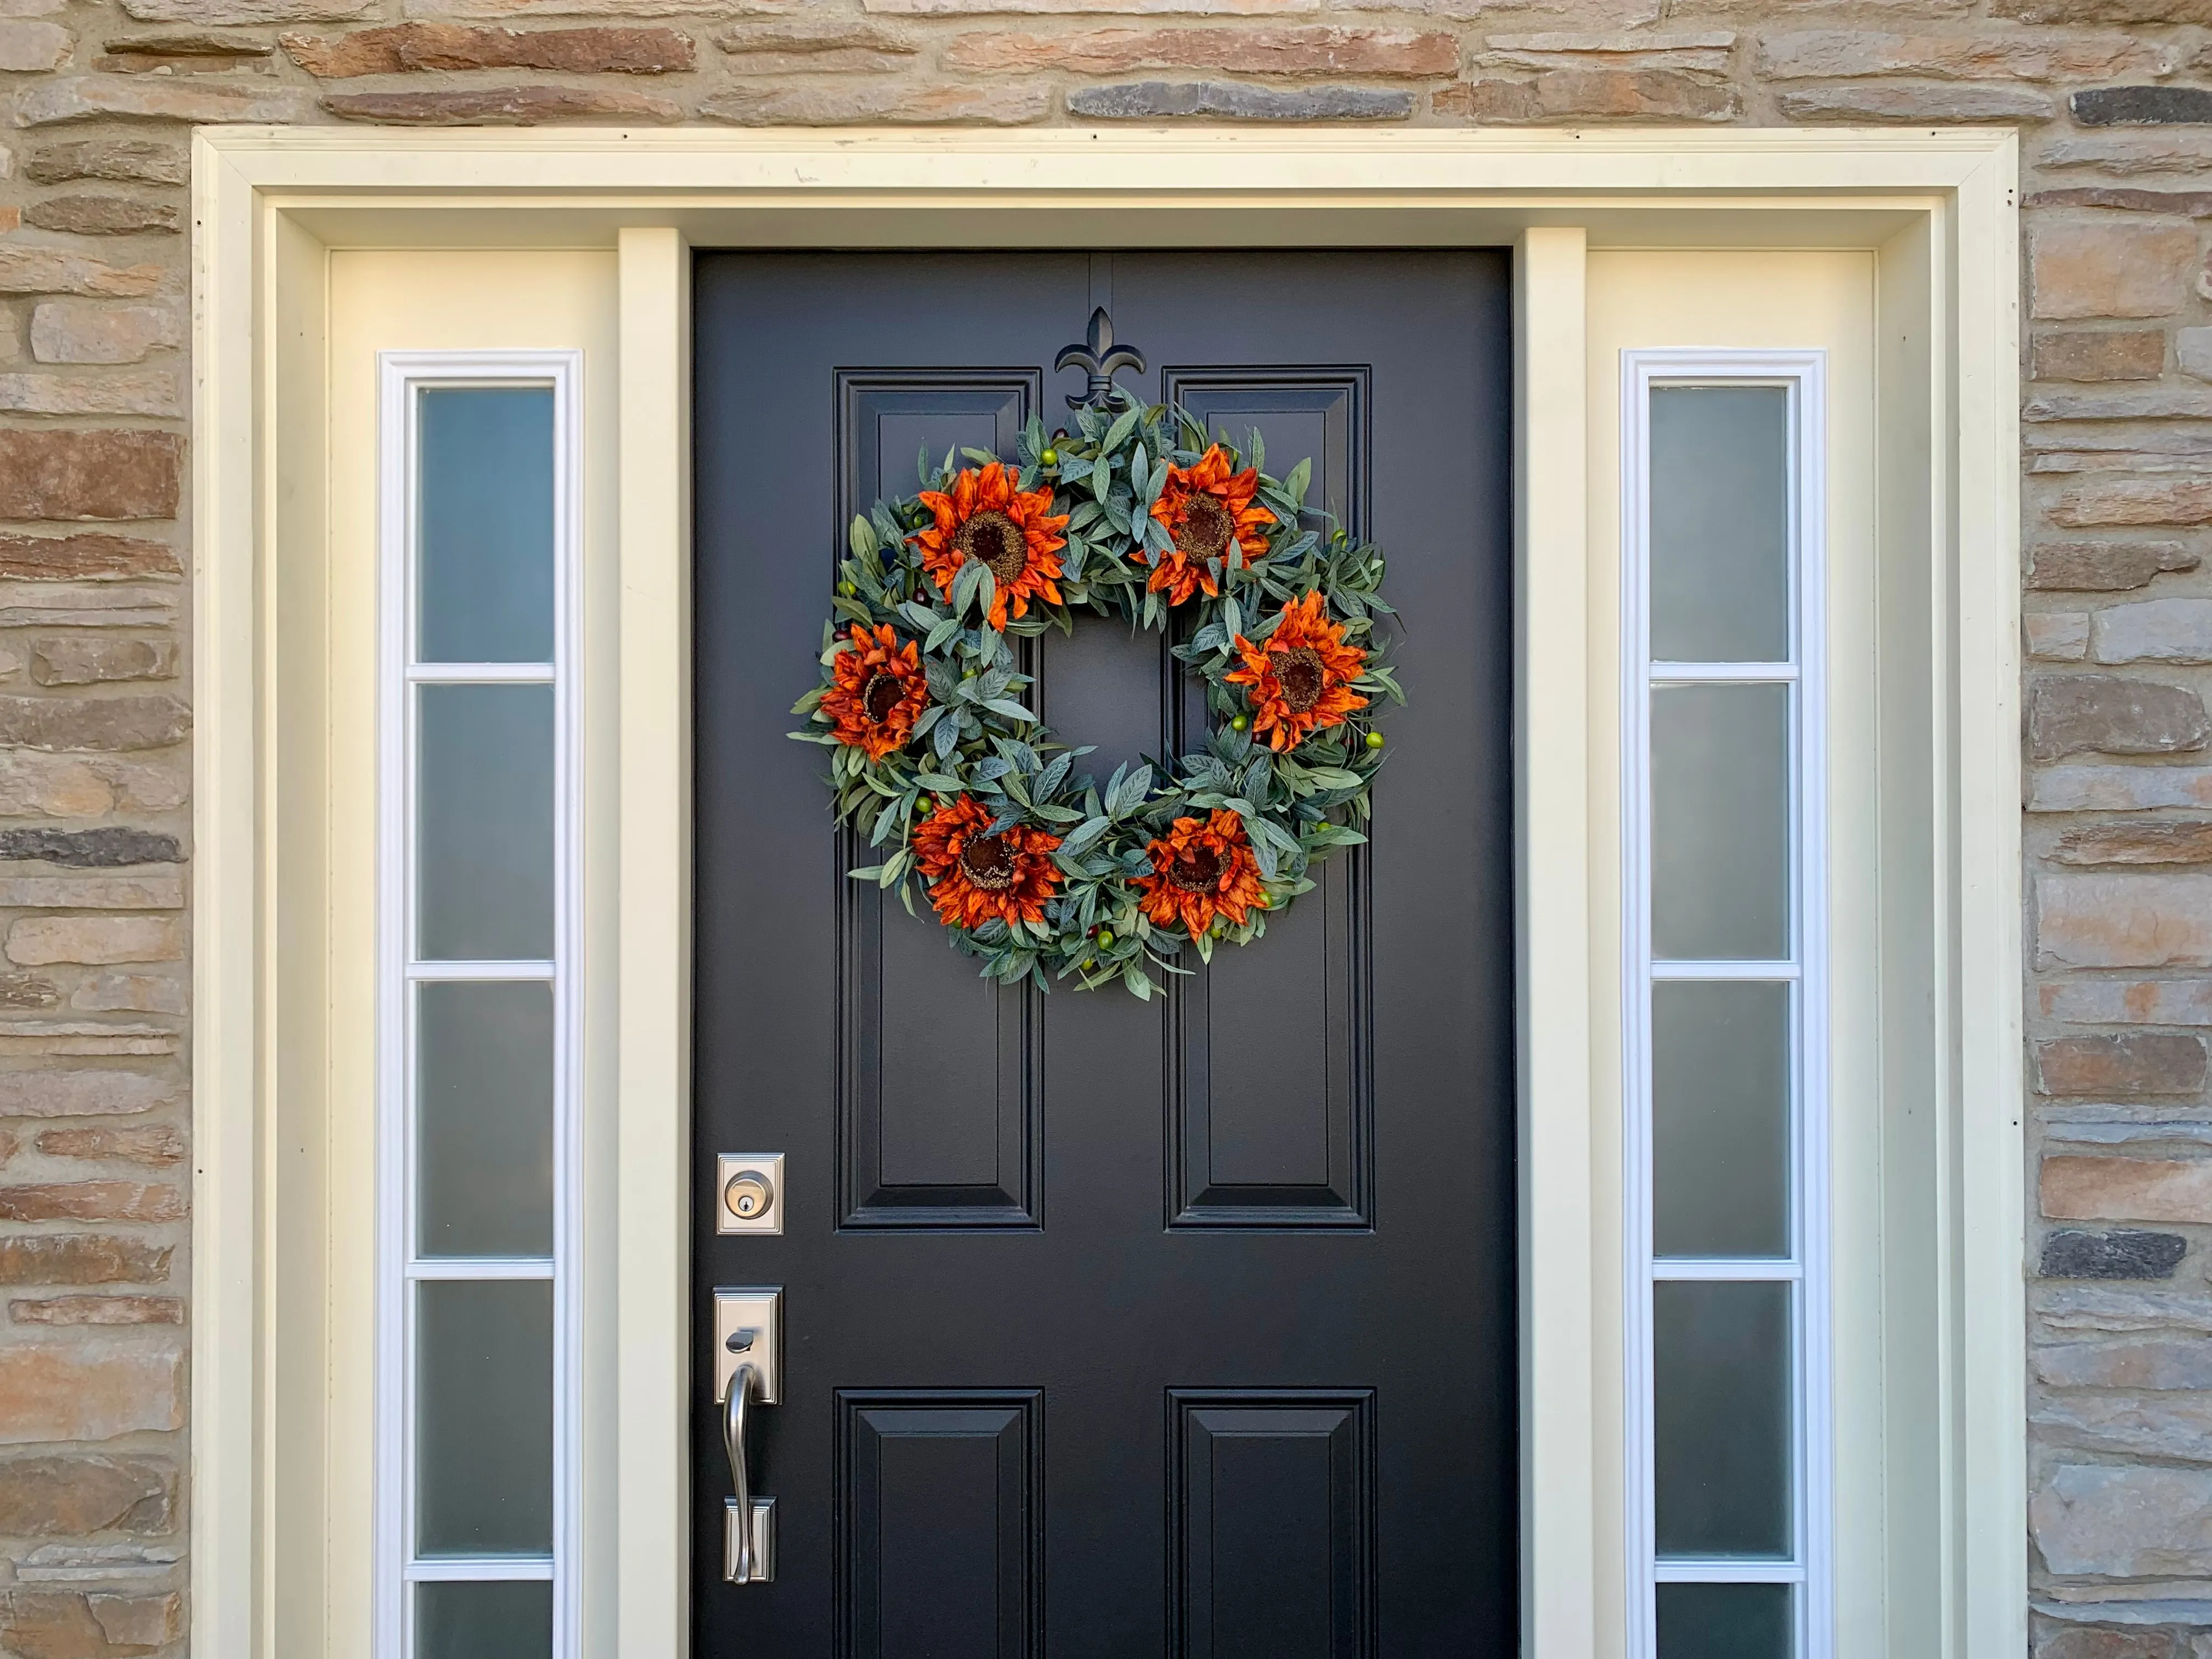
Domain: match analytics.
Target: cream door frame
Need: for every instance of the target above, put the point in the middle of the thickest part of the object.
(1938, 209)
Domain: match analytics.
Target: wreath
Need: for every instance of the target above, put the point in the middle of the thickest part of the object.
(1037, 868)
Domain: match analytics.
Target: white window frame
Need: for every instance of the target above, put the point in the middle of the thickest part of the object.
(1803, 375)
(402, 375)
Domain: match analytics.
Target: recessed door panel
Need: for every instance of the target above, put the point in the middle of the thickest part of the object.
(946, 1137)
(1274, 1529)
(939, 1541)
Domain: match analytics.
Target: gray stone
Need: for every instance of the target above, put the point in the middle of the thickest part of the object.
(2107, 106)
(2192, 351)
(2118, 788)
(2120, 406)
(108, 847)
(2118, 1255)
(1141, 100)
(2097, 1310)
(2079, 1641)
(1900, 102)
(2069, 713)
(2175, 1425)
(2147, 1361)
(84, 332)
(2124, 1522)
(123, 159)
(2154, 630)
(79, 661)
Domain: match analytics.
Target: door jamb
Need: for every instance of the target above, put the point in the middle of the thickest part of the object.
(270, 203)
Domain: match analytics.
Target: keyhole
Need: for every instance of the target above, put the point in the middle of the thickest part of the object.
(748, 1195)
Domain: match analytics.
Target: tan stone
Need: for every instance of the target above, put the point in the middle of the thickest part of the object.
(89, 1391)
(93, 555)
(503, 106)
(903, 103)
(208, 13)
(89, 214)
(2068, 713)
(1589, 94)
(29, 48)
(49, 603)
(2078, 567)
(800, 46)
(55, 270)
(69, 1624)
(183, 54)
(92, 892)
(2188, 404)
(152, 98)
(147, 721)
(27, 991)
(2124, 920)
(2124, 1522)
(2167, 840)
(1197, 8)
(2137, 1064)
(91, 1201)
(69, 661)
(85, 1036)
(407, 47)
(2110, 270)
(145, 993)
(2129, 500)
(143, 786)
(72, 1497)
(157, 1145)
(2105, 11)
(2120, 354)
(157, 392)
(1914, 103)
(82, 1259)
(38, 941)
(1970, 55)
(88, 474)
(124, 160)
(2126, 1001)
(81, 1093)
(97, 1310)
(138, 1623)
(2170, 204)
(1708, 51)
(2057, 635)
(2075, 1188)
(33, 785)
(1303, 51)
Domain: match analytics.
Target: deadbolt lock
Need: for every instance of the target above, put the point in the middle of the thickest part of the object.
(749, 1185)
(748, 1195)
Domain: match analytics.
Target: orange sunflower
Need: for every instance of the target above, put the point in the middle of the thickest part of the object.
(986, 518)
(1204, 507)
(1301, 679)
(1202, 868)
(878, 693)
(976, 877)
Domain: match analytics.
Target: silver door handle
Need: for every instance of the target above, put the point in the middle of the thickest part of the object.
(748, 1522)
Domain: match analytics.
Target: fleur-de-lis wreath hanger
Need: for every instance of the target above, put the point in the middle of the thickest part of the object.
(1100, 359)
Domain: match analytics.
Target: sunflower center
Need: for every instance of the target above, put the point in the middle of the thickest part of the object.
(880, 696)
(1196, 870)
(992, 539)
(1302, 677)
(988, 862)
(1206, 527)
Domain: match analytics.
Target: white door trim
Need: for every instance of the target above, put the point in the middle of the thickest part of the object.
(1937, 208)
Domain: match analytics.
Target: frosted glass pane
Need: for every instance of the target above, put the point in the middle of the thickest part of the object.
(1720, 1119)
(483, 1417)
(1726, 1621)
(484, 1119)
(1720, 822)
(483, 1621)
(484, 525)
(484, 823)
(1721, 1376)
(1720, 524)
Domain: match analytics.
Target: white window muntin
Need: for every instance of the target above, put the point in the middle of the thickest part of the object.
(1804, 1268)
(402, 1264)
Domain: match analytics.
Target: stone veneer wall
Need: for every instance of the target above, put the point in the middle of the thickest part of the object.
(2113, 99)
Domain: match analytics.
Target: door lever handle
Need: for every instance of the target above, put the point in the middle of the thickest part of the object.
(748, 1522)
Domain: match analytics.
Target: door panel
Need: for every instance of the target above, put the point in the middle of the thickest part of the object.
(1114, 1328)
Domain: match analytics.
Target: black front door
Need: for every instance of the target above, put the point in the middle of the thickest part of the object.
(1114, 1329)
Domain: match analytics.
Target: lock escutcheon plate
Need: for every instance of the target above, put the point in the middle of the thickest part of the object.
(766, 1188)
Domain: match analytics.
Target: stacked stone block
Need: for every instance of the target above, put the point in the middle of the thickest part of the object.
(2113, 99)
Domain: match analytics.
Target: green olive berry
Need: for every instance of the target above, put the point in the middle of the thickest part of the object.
(1105, 938)
(848, 589)
(1050, 458)
(1240, 723)
(1374, 739)
(1090, 965)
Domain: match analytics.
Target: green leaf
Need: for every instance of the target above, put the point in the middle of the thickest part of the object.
(943, 782)
(1010, 709)
(1301, 476)
(861, 537)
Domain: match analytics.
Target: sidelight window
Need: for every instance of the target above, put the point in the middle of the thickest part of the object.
(1725, 1007)
(476, 1385)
